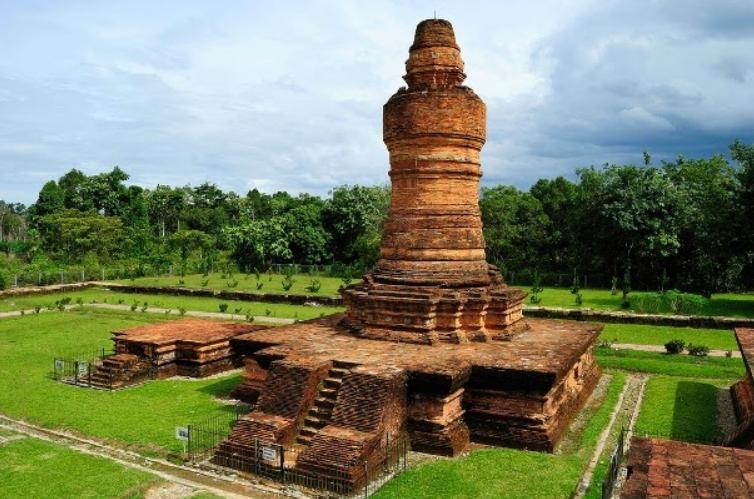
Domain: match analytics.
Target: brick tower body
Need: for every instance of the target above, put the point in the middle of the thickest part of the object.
(432, 282)
(332, 392)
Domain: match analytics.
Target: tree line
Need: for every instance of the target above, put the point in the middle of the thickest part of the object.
(687, 223)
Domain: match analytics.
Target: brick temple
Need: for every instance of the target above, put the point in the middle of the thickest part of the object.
(433, 345)
(189, 347)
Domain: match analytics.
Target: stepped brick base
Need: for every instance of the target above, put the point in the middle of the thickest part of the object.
(335, 397)
(191, 347)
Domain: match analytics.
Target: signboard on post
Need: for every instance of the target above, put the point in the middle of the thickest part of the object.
(82, 367)
(182, 433)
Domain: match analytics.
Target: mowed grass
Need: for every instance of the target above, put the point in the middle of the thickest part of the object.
(725, 304)
(670, 365)
(142, 417)
(680, 409)
(36, 469)
(507, 473)
(718, 339)
(270, 283)
(201, 304)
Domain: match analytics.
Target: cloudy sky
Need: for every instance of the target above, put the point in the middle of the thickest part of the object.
(288, 95)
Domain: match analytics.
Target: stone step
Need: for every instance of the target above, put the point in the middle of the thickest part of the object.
(338, 372)
(329, 393)
(315, 422)
(326, 402)
(333, 383)
(308, 431)
(304, 440)
(321, 412)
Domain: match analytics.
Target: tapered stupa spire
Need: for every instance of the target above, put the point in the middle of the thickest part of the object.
(434, 131)
(432, 282)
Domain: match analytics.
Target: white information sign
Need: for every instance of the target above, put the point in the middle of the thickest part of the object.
(269, 453)
(182, 433)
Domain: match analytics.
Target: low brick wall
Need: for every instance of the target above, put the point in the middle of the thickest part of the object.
(585, 314)
(44, 290)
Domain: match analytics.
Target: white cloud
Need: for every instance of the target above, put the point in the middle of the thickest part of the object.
(289, 96)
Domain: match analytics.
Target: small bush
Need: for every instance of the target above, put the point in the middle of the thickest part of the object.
(675, 346)
(698, 350)
(268, 312)
(181, 311)
(223, 307)
(134, 306)
(606, 343)
(536, 289)
(260, 285)
(314, 286)
(287, 282)
(232, 283)
(728, 354)
(205, 283)
(237, 311)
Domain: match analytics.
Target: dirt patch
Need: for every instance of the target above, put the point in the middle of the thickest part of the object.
(170, 491)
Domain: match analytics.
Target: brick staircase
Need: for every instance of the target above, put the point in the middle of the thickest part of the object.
(320, 413)
(117, 370)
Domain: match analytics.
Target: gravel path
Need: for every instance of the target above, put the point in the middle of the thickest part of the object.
(626, 411)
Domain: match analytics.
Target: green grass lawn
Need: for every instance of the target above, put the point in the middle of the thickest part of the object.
(143, 417)
(671, 365)
(719, 339)
(172, 302)
(728, 304)
(506, 473)
(680, 409)
(246, 282)
(36, 469)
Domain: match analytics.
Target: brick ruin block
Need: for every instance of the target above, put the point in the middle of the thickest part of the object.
(742, 394)
(665, 468)
(189, 347)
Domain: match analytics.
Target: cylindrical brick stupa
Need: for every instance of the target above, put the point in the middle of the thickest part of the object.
(432, 282)
(434, 130)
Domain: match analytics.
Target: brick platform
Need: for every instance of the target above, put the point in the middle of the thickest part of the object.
(189, 347)
(664, 468)
(521, 392)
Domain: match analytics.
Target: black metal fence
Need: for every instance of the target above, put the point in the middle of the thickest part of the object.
(77, 368)
(204, 436)
(276, 462)
(83, 369)
(613, 468)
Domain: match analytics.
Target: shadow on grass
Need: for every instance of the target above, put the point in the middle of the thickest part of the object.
(695, 412)
(222, 387)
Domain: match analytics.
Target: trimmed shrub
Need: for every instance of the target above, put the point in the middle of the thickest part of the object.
(675, 346)
(698, 350)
